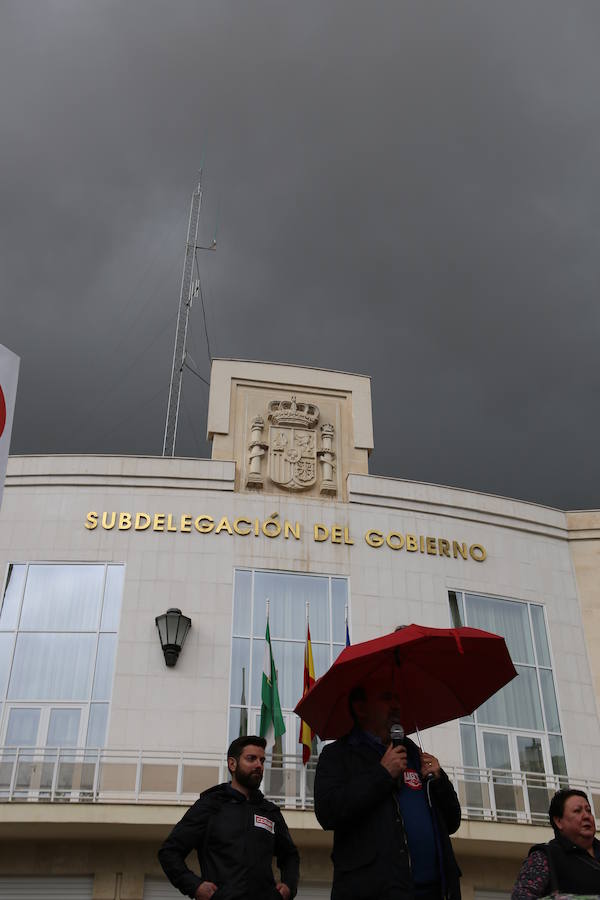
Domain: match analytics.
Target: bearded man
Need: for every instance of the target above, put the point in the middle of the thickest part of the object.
(236, 833)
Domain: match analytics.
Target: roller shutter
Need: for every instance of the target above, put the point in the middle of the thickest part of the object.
(50, 888)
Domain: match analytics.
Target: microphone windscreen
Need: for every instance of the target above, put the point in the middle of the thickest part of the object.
(397, 735)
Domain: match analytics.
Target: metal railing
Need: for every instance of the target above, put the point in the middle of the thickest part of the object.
(65, 775)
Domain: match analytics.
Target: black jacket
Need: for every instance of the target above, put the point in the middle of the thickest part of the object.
(236, 840)
(355, 797)
(572, 869)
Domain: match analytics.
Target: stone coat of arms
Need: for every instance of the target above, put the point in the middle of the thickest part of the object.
(294, 456)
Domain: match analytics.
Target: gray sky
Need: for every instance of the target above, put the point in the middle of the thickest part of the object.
(408, 190)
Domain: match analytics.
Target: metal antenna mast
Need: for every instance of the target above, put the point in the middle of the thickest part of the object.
(189, 290)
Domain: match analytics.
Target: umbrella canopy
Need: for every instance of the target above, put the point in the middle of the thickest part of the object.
(439, 674)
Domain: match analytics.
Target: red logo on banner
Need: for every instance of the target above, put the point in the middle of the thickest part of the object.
(412, 780)
(2, 411)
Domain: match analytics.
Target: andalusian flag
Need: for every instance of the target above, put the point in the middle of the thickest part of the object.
(271, 720)
(306, 732)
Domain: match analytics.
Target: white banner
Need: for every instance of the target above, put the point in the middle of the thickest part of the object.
(9, 373)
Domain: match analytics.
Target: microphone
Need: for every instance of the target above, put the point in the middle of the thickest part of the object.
(397, 735)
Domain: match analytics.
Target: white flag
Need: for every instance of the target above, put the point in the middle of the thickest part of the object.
(9, 373)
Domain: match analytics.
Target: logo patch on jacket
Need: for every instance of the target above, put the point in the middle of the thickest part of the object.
(263, 822)
(412, 780)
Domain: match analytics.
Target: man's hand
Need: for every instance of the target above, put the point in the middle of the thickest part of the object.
(430, 765)
(205, 890)
(283, 890)
(395, 760)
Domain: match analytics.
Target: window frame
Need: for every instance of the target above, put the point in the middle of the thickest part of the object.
(514, 731)
(8, 703)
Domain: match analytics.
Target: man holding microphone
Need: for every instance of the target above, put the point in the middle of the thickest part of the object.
(391, 807)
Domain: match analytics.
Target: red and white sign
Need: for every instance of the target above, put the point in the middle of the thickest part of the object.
(412, 780)
(9, 373)
(263, 822)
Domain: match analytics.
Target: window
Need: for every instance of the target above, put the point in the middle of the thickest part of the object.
(58, 639)
(291, 597)
(518, 729)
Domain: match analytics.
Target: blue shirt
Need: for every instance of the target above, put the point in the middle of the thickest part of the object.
(415, 812)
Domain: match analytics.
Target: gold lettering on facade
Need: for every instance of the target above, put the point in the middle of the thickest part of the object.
(374, 538)
(91, 521)
(294, 530)
(237, 523)
(105, 521)
(321, 532)
(477, 552)
(224, 526)
(459, 549)
(142, 518)
(204, 524)
(271, 527)
(395, 540)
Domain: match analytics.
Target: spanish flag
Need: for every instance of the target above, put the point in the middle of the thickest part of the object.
(306, 733)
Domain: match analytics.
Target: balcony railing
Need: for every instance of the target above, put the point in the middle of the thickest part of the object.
(65, 775)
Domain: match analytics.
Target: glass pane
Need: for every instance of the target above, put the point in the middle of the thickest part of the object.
(52, 667)
(242, 602)
(13, 591)
(495, 747)
(289, 661)
(237, 727)
(240, 671)
(339, 599)
(22, 728)
(113, 592)
(557, 752)
(62, 597)
(63, 729)
(539, 633)
(320, 659)
(288, 596)
(505, 617)
(258, 651)
(550, 707)
(531, 758)
(337, 649)
(105, 664)
(96, 732)
(469, 746)
(515, 706)
(456, 616)
(6, 646)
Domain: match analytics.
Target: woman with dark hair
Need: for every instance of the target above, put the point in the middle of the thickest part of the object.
(568, 864)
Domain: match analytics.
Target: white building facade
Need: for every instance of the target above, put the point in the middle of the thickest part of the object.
(103, 746)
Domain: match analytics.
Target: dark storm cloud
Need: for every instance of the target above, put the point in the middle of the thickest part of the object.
(408, 190)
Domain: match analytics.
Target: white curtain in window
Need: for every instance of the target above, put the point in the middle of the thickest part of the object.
(52, 667)
(515, 706)
(288, 596)
(62, 598)
(505, 617)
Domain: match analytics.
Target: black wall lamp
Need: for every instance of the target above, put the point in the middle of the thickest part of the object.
(173, 627)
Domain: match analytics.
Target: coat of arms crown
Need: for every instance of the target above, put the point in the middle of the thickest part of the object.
(290, 412)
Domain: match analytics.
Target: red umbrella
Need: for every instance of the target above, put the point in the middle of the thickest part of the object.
(439, 674)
